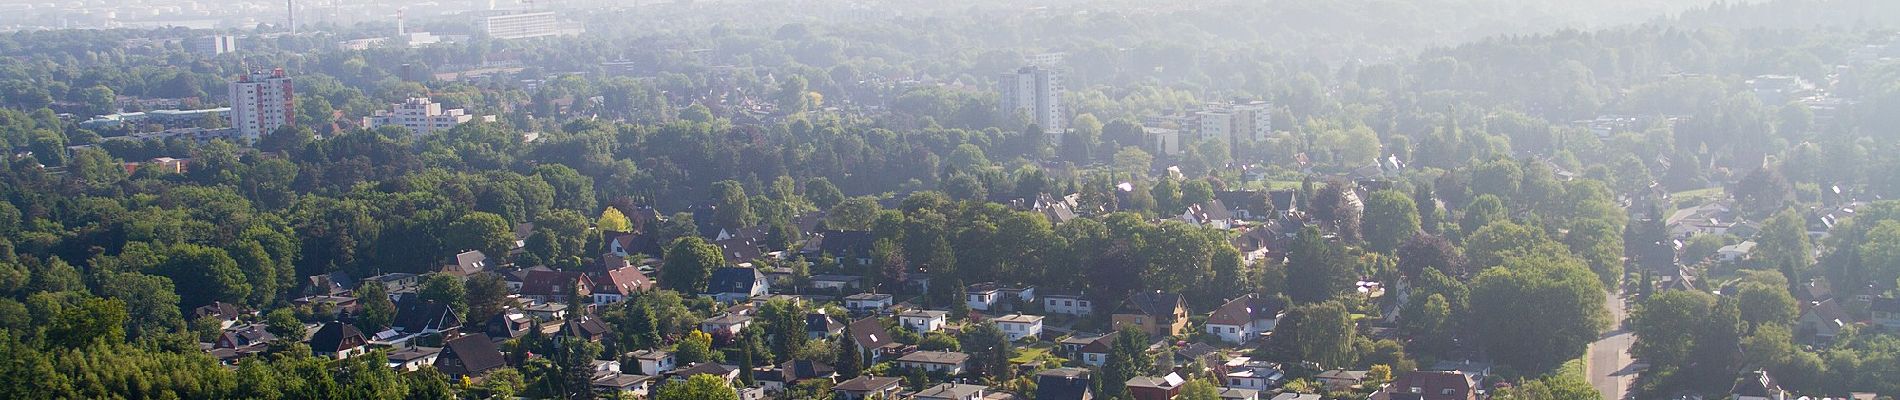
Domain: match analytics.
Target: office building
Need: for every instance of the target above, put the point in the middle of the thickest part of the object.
(214, 45)
(1036, 90)
(421, 116)
(261, 102)
(522, 25)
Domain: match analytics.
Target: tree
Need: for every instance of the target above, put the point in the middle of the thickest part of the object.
(1199, 389)
(698, 387)
(822, 193)
(1429, 251)
(990, 349)
(1783, 245)
(377, 311)
(284, 324)
(853, 214)
(446, 290)
(785, 322)
(92, 321)
(1601, 244)
(486, 232)
(210, 275)
(1484, 210)
(1127, 358)
(1317, 269)
(696, 347)
(689, 265)
(1322, 333)
(850, 362)
(1429, 324)
(1552, 288)
(486, 295)
(1665, 322)
(732, 209)
(572, 360)
(1391, 217)
(612, 220)
(1763, 191)
(1765, 305)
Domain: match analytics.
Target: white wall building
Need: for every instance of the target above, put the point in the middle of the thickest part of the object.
(522, 25)
(1019, 326)
(1036, 90)
(214, 45)
(421, 116)
(923, 321)
(1067, 304)
(261, 102)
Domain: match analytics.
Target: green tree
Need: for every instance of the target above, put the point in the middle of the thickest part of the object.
(822, 193)
(1317, 269)
(1783, 245)
(284, 324)
(1482, 211)
(485, 295)
(377, 311)
(1765, 305)
(1127, 358)
(1664, 323)
(732, 209)
(695, 348)
(1391, 218)
(1199, 389)
(1321, 332)
(850, 362)
(212, 274)
(1601, 244)
(611, 220)
(1553, 288)
(698, 387)
(689, 265)
(444, 289)
(92, 321)
(786, 323)
(853, 214)
(487, 232)
(990, 350)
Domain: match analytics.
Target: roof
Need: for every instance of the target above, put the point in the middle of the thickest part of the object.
(414, 315)
(1755, 384)
(867, 383)
(640, 244)
(469, 355)
(620, 380)
(869, 333)
(624, 281)
(336, 336)
(1246, 309)
(932, 314)
(845, 243)
(1433, 383)
(835, 278)
(1062, 384)
(1152, 303)
(935, 357)
(734, 280)
(650, 354)
(1101, 344)
(413, 353)
(869, 296)
(705, 368)
(1298, 396)
(467, 263)
(1238, 393)
(586, 326)
(821, 322)
(1165, 382)
(1018, 319)
(552, 283)
(1884, 304)
(797, 370)
(728, 319)
(217, 309)
(1254, 202)
(952, 391)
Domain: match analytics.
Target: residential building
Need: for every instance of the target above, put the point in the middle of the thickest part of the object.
(214, 45)
(731, 284)
(1228, 393)
(952, 391)
(874, 343)
(1757, 385)
(1095, 353)
(226, 313)
(923, 321)
(1036, 90)
(866, 387)
(1247, 373)
(1019, 326)
(243, 336)
(469, 356)
(1430, 385)
(415, 316)
(1067, 304)
(421, 116)
(654, 362)
(840, 283)
(338, 340)
(948, 362)
(981, 296)
(619, 284)
(729, 323)
(868, 302)
(1821, 321)
(1245, 318)
(1155, 388)
(466, 263)
(1340, 379)
(1885, 311)
(791, 373)
(587, 328)
(555, 286)
(522, 25)
(1063, 384)
(819, 325)
(261, 102)
(1158, 313)
(1734, 252)
(1299, 396)
(724, 372)
(413, 358)
(609, 383)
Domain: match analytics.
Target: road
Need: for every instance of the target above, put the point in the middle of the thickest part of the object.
(1609, 363)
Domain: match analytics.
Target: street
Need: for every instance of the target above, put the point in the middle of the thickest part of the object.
(1608, 362)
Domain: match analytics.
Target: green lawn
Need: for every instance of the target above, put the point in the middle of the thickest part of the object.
(1033, 353)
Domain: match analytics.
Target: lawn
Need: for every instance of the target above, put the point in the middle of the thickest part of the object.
(1033, 353)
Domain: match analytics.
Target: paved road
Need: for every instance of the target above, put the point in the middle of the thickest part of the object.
(1609, 360)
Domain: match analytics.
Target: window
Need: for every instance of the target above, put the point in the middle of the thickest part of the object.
(1448, 391)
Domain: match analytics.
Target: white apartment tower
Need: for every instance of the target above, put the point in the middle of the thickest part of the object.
(1036, 90)
(521, 25)
(1229, 123)
(261, 102)
(421, 116)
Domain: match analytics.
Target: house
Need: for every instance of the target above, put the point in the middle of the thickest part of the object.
(469, 356)
(546, 311)
(1247, 373)
(952, 391)
(1822, 320)
(1245, 318)
(225, 313)
(1286, 203)
(619, 284)
(509, 325)
(923, 321)
(873, 342)
(866, 387)
(1757, 385)
(653, 362)
(731, 284)
(1885, 311)
(1063, 384)
(396, 284)
(947, 362)
(982, 296)
(1095, 353)
(586, 327)
(1155, 388)
(840, 283)
(1228, 393)
(1430, 385)
(1735, 252)
(1298, 396)
(516, 277)
(1245, 204)
(1067, 304)
(415, 316)
(1071, 346)
(819, 325)
(243, 336)
(1158, 313)
(849, 247)
(338, 340)
(1019, 326)
(412, 359)
(333, 284)
(555, 286)
(1340, 379)
(610, 383)
(1210, 215)
(327, 304)
(627, 246)
(724, 372)
(730, 324)
(466, 263)
(868, 302)
(791, 373)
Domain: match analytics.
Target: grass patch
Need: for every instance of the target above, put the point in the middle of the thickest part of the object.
(1037, 352)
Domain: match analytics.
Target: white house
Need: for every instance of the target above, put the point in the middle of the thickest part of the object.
(1019, 326)
(948, 362)
(982, 296)
(729, 323)
(923, 321)
(1735, 252)
(1244, 319)
(654, 362)
(868, 301)
(1067, 304)
(1247, 373)
(835, 282)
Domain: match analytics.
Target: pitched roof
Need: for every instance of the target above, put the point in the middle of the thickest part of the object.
(640, 244)
(1433, 384)
(797, 370)
(1062, 384)
(734, 280)
(821, 322)
(586, 326)
(1246, 309)
(935, 357)
(1101, 344)
(1755, 384)
(705, 368)
(951, 391)
(217, 309)
(1170, 381)
(846, 243)
(867, 383)
(1152, 303)
(869, 333)
(469, 355)
(467, 263)
(336, 336)
(414, 315)
(553, 283)
(624, 281)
